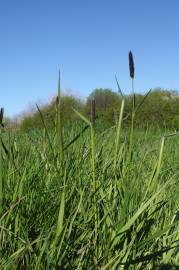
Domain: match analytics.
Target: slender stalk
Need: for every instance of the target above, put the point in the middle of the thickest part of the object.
(132, 123)
(132, 71)
(60, 126)
(118, 135)
(94, 180)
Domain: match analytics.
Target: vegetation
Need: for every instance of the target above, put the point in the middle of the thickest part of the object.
(33, 120)
(77, 196)
(161, 109)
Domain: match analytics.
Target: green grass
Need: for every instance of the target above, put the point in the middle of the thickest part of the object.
(98, 210)
(80, 197)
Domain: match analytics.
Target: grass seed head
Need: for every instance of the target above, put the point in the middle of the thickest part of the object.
(1, 115)
(57, 101)
(131, 65)
(93, 110)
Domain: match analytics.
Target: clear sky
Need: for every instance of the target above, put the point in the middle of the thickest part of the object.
(89, 41)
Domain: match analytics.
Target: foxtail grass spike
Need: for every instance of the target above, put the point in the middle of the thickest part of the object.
(93, 111)
(57, 101)
(1, 115)
(131, 65)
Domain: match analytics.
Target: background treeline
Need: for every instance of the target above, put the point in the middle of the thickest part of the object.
(160, 109)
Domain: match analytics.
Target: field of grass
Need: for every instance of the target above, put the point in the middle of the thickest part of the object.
(81, 197)
(108, 204)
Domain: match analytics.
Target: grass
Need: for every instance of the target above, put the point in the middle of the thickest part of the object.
(80, 197)
(90, 214)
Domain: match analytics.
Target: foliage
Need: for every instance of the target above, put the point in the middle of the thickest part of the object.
(107, 104)
(160, 109)
(33, 121)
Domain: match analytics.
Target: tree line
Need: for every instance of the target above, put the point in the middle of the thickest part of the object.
(160, 108)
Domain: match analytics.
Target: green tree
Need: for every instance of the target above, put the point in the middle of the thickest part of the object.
(33, 119)
(107, 104)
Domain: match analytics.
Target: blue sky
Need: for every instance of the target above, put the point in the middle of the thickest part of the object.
(89, 41)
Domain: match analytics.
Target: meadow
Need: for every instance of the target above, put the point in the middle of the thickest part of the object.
(110, 205)
(83, 197)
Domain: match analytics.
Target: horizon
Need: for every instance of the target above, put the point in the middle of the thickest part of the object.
(89, 42)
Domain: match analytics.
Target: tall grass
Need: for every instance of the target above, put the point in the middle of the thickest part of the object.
(89, 199)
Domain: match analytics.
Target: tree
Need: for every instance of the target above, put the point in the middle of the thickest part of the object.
(107, 104)
(33, 120)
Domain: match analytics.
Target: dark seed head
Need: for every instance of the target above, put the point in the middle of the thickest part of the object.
(1, 115)
(57, 101)
(131, 65)
(93, 111)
